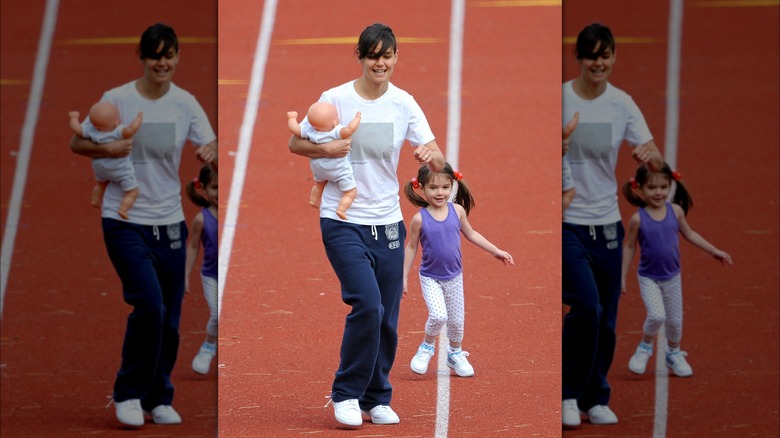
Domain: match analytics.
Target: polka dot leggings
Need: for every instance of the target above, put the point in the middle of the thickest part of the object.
(445, 306)
(663, 301)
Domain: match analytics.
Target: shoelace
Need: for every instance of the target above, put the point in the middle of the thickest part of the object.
(459, 356)
(353, 405)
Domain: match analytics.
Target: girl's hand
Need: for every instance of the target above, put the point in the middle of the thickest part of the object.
(505, 257)
(722, 257)
(423, 155)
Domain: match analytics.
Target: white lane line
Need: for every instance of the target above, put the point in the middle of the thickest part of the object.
(457, 20)
(26, 144)
(670, 155)
(245, 143)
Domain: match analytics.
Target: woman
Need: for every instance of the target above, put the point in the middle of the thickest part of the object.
(592, 230)
(367, 250)
(148, 250)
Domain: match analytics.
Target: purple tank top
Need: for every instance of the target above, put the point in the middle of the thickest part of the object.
(659, 257)
(209, 240)
(440, 240)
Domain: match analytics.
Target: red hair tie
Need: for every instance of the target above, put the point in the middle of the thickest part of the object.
(676, 175)
(634, 185)
(415, 183)
(458, 175)
(197, 183)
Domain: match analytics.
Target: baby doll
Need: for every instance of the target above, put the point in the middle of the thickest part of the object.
(104, 126)
(321, 126)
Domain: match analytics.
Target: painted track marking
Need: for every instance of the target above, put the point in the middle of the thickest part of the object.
(26, 143)
(245, 144)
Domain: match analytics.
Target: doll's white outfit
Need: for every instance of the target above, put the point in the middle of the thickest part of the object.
(335, 170)
(119, 170)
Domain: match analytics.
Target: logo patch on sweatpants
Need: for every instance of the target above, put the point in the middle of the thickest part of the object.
(391, 231)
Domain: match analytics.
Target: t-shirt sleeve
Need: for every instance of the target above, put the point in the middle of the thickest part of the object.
(637, 132)
(200, 133)
(419, 132)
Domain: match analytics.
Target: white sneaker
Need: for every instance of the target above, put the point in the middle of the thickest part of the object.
(638, 362)
(602, 414)
(165, 414)
(382, 414)
(676, 361)
(202, 361)
(348, 412)
(129, 412)
(458, 362)
(570, 414)
(422, 358)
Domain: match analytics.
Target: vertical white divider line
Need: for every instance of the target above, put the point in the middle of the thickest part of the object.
(673, 81)
(457, 21)
(26, 144)
(673, 64)
(245, 143)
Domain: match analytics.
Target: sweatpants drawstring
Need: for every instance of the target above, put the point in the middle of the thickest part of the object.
(156, 232)
(374, 233)
(592, 232)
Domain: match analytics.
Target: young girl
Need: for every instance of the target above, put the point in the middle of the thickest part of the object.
(655, 228)
(202, 191)
(437, 228)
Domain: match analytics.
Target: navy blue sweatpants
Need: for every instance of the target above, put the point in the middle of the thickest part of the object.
(592, 257)
(368, 261)
(150, 263)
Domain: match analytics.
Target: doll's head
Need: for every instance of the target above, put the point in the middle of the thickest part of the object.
(323, 116)
(104, 116)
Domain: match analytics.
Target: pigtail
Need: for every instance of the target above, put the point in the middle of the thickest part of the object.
(463, 195)
(412, 196)
(203, 179)
(631, 196)
(682, 196)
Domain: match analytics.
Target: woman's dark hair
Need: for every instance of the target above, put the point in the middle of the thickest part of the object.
(155, 34)
(681, 195)
(424, 175)
(592, 36)
(206, 175)
(375, 36)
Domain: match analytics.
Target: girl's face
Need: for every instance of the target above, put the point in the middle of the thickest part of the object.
(160, 71)
(655, 190)
(596, 70)
(378, 71)
(212, 192)
(438, 190)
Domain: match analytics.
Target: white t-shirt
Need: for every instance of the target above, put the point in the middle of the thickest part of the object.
(157, 146)
(593, 151)
(385, 124)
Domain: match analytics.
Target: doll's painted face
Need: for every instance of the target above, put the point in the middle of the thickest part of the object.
(323, 116)
(104, 116)
(160, 69)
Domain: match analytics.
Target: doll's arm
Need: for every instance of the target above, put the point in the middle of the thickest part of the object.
(478, 239)
(75, 125)
(629, 249)
(347, 131)
(192, 249)
(292, 123)
(696, 239)
(410, 251)
(130, 130)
